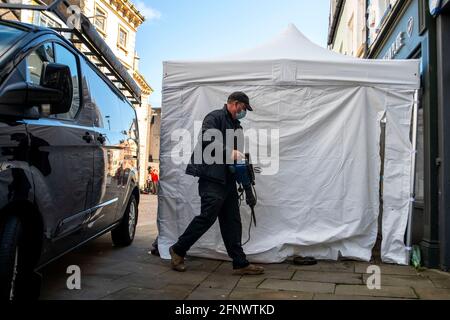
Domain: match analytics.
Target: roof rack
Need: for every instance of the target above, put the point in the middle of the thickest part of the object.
(94, 46)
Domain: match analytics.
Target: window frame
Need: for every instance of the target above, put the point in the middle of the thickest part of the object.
(124, 48)
(419, 201)
(98, 9)
(25, 59)
(42, 16)
(80, 76)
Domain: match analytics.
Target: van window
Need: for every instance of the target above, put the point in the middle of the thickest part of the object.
(105, 102)
(30, 69)
(35, 61)
(128, 117)
(64, 56)
(8, 36)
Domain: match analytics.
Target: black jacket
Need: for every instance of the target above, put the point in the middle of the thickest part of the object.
(218, 172)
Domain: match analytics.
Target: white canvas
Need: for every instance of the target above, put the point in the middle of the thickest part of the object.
(324, 199)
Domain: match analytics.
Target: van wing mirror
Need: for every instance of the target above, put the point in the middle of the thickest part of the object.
(57, 76)
(55, 91)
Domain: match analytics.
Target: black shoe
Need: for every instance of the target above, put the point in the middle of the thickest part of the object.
(305, 261)
(155, 252)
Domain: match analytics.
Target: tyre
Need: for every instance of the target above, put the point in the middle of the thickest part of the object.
(16, 271)
(123, 235)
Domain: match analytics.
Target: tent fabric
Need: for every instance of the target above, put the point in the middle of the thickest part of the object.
(320, 197)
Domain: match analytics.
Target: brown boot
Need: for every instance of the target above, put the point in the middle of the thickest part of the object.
(177, 261)
(251, 270)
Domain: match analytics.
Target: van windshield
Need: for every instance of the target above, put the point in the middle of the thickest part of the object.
(8, 36)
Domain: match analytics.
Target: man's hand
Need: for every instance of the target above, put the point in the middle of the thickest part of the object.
(236, 155)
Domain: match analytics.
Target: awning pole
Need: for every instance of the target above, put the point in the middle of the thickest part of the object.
(413, 174)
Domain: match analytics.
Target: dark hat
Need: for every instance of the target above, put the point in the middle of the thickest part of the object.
(240, 97)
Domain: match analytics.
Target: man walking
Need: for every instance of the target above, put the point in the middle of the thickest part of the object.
(218, 191)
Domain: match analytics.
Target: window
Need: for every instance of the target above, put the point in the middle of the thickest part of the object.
(100, 19)
(420, 169)
(422, 16)
(64, 56)
(378, 11)
(35, 61)
(419, 188)
(122, 41)
(46, 21)
(128, 117)
(105, 102)
(7, 37)
(350, 35)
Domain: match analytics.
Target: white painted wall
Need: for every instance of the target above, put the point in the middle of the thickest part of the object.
(350, 32)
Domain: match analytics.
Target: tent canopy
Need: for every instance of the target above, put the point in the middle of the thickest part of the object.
(291, 58)
(323, 200)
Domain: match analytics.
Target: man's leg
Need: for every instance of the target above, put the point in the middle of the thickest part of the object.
(212, 199)
(231, 229)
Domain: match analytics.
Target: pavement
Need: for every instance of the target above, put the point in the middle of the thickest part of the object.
(109, 273)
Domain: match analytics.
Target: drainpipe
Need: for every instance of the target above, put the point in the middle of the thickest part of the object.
(335, 19)
(366, 45)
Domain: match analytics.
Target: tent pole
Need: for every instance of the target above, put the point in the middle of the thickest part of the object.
(413, 174)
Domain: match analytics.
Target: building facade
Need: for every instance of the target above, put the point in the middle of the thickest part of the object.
(407, 29)
(350, 28)
(117, 22)
(155, 137)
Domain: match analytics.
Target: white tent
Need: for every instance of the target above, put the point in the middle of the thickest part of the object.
(318, 194)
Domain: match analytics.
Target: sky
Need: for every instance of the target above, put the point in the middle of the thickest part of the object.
(196, 29)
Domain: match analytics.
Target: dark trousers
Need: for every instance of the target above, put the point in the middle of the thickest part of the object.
(217, 201)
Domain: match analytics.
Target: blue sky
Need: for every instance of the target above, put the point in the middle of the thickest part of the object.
(195, 29)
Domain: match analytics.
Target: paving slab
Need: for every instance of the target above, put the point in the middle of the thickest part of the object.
(300, 286)
(439, 278)
(250, 282)
(92, 288)
(263, 294)
(220, 281)
(326, 296)
(404, 281)
(386, 291)
(328, 277)
(387, 269)
(331, 266)
(205, 293)
(136, 293)
(433, 293)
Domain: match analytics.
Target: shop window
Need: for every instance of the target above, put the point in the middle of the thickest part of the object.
(419, 183)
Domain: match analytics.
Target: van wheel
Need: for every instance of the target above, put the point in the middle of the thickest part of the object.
(124, 234)
(14, 268)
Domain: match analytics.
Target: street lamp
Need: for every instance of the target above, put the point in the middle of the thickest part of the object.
(435, 7)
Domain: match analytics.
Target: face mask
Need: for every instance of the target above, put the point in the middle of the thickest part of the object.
(241, 115)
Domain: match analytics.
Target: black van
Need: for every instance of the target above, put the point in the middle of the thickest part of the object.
(68, 155)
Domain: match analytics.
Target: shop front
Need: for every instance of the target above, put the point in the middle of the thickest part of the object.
(408, 31)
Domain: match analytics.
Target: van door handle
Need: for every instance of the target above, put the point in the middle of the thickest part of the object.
(101, 138)
(88, 137)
